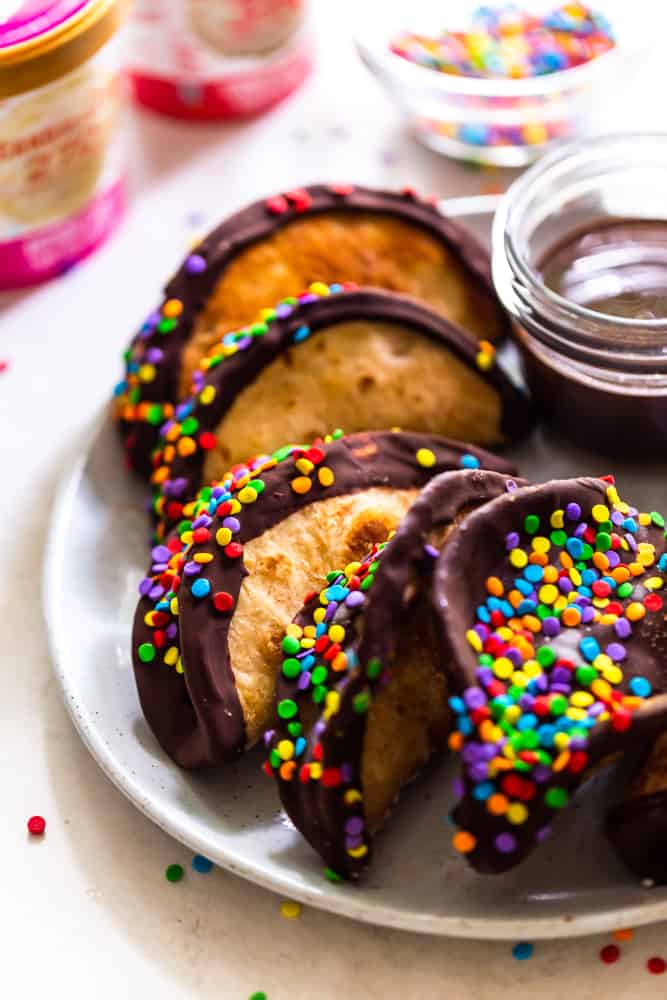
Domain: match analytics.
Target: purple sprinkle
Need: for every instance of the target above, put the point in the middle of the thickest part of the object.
(632, 541)
(153, 318)
(156, 592)
(541, 774)
(354, 826)
(512, 541)
(172, 630)
(145, 586)
(511, 486)
(195, 264)
(578, 743)
(614, 559)
(514, 656)
(355, 599)
(481, 630)
(303, 682)
(565, 585)
(526, 701)
(309, 297)
(490, 750)
(182, 410)
(597, 708)
(587, 615)
(346, 772)
(541, 682)
(232, 523)
(431, 551)
(561, 688)
(474, 697)
(268, 736)
(542, 834)
(484, 675)
(178, 485)
(458, 788)
(319, 727)
(623, 628)
(471, 753)
(331, 611)
(154, 355)
(573, 512)
(550, 626)
(479, 771)
(505, 843)
(616, 651)
(616, 518)
(581, 530)
(202, 521)
(283, 310)
(560, 675)
(192, 568)
(159, 567)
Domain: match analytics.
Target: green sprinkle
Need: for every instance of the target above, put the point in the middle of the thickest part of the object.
(282, 453)
(189, 425)
(275, 759)
(558, 538)
(332, 876)
(558, 705)
(333, 575)
(485, 660)
(206, 492)
(319, 694)
(602, 541)
(154, 415)
(531, 523)
(260, 995)
(374, 667)
(556, 798)
(174, 873)
(257, 485)
(166, 325)
(361, 701)
(319, 675)
(530, 739)
(586, 675)
(338, 433)
(657, 519)
(287, 708)
(258, 329)
(367, 582)
(290, 645)
(294, 729)
(146, 652)
(545, 656)
(521, 765)
(625, 589)
(587, 552)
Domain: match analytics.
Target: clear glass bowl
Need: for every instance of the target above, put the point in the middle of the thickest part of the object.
(502, 122)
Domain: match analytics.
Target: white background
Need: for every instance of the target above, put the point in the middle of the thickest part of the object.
(86, 910)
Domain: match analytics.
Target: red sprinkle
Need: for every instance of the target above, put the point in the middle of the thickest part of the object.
(223, 601)
(656, 965)
(36, 825)
(233, 550)
(277, 205)
(4, 365)
(207, 440)
(653, 602)
(610, 954)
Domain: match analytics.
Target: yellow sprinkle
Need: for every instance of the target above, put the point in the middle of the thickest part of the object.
(325, 476)
(319, 288)
(304, 465)
(557, 519)
(223, 536)
(512, 713)
(503, 668)
(474, 640)
(202, 557)
(581, 699)
(518, 558)
(234, 506)
(307, 643)
(147, 373)
(484, 361)
(285, 749)
(318, 615)
(294, 630)
(541, 545)
(548, 593)
(173, 606)
(179, 666)
(425, 458)
(517, 813)
(600, 512)
(351, 796)
(644, 519)
(336, 633)
(520, 679)
(247, 494)
(315, 771)
(207, 395)
(613, 674)
(290, 910)
(532, 668)
(351, 569)
(654, 583)
(332, 704)
(578, 714)
(171, 656)
(356, 852)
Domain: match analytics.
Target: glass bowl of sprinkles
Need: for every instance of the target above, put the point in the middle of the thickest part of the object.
(500, 84)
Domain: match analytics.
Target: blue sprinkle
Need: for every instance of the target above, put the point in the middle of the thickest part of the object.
(526, 608)
(533, 573)
(336, 593)
(575, 547)
(469, 462)
(589, 648)
(310, 661)
(630, 525)
(588, 577)
(524, 587)
(507, 609)
(484, 790)
(301, 334)
(200, 588)
(640, 686)
(335, 288)
(120, 388)
(457, 704)
(483, 615)
(201, 864)
(522, 950)
(464, 725)
(527, 721)
(299, 746)
(662, 562)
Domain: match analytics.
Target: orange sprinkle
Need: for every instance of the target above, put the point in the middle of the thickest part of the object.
(600, 560)
(186, 446)
(455, 741)
(571, 616)
(301, 484)
(464, 842)
(515, 598)
(532, 623)
(287, 769)
(550, 574)
(635, 611)
(620, 574)
(497, 804)
(495, 586)
(566, 560)
(538, 558)
(623, 934)
(172, 308)
(561, 761)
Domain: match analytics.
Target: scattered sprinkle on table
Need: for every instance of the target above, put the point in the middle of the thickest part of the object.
(656, 966)
(4, 365)
(258, 996)
(174, 873)
(522, 950)
(36, 826)
(201, 864)
(623, 934)
(290, 910)
(610, 954)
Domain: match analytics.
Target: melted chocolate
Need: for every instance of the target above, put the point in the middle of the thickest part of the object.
(197, 716)
(326, 811)
(478, 553)
(617, 267)
(141, 411)
(235, 373)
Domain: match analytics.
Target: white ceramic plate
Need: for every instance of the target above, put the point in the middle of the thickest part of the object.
(96, 555)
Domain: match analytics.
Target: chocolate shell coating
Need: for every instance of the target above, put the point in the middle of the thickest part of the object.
(549, 607)
(322, 792)
(196, 714)
(147, 395)
(179, 470)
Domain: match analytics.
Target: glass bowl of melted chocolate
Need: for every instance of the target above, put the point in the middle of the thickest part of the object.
(580, 263)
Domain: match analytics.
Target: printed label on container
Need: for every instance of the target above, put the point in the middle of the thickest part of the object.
(199, 41)
(60, 152)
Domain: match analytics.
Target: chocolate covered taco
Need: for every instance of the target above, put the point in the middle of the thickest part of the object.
(552, 620)
(206, 642)
(366, 358)
(272, 250)
(361, 696)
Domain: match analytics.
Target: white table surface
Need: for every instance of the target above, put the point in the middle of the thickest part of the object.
(86, 910)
